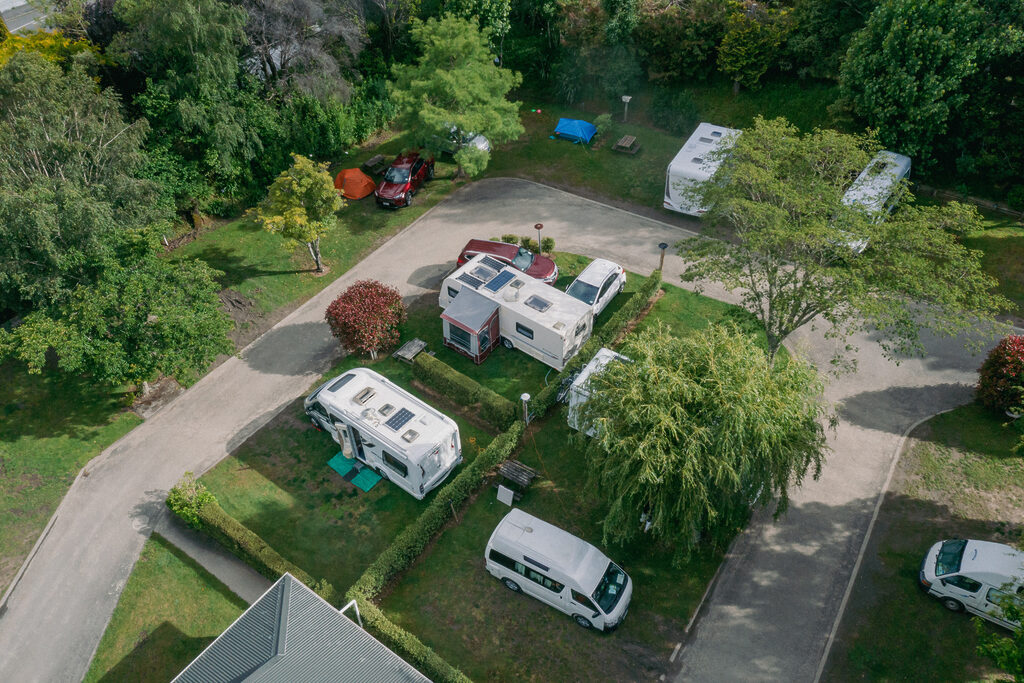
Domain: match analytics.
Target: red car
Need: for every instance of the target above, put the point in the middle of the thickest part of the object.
(534, 265)
(402, 180)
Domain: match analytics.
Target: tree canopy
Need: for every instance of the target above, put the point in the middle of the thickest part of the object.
(696, 430)
(455, 83)
(777, 200)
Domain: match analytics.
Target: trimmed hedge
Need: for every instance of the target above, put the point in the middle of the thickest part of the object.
(494, 408)
(397, 557)
(253, 550)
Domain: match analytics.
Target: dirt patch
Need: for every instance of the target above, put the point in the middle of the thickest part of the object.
(636, 321)
(250, 322)
(155, 396)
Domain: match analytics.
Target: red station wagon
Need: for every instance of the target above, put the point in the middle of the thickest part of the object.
(401, 181)
(534, 265)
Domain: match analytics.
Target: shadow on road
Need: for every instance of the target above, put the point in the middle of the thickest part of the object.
(894, 409)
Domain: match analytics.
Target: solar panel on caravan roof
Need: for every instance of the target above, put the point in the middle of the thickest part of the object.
(469, 280)
(399, 419)
(492, 263)
(499, 281)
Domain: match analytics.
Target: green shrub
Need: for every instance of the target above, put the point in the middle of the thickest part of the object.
(493, 408)
(603, 123)
(187, 498)
(253, 550)
(547, 245)
(529, 243)
(510, 238)
(674, 110)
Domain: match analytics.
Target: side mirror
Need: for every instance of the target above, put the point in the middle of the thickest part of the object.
(596, 614)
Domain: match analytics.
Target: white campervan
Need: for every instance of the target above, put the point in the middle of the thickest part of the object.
(695, 163)
(486, 301)
(579, 390)
(977, 576)
(534, 557)
(875, 191)
(382, 425)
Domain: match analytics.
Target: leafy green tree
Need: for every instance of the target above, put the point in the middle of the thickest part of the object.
(301, 206)
(73, 198)
(751, 44)
(455, 83)
(140, 320)
(1005, 652)
(904, 71)
(54, 46)
(492, 15)
(696, 430)
(820, 33)
(778, 199)
(4, 31)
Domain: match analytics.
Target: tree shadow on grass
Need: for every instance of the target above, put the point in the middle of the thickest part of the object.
(236, 268)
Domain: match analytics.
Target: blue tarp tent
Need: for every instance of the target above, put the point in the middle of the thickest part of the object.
(575, 130)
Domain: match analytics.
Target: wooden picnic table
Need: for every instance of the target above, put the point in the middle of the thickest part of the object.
(409, 349)
(627, 144)
(375, 165)
(517, 473)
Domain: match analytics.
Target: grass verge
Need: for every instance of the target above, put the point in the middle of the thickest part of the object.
(169, 611)
(956, 479)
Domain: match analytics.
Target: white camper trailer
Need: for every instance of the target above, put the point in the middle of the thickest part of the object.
(874, 191)
(580, 388)
(692, 165)
(503, 304)
(385, 427)
(531, 556)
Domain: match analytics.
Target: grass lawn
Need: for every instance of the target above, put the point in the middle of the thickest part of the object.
(1002, 245)
(957, 478)
(170, 609)
(450, 602)
(51, 426)
(257, 264)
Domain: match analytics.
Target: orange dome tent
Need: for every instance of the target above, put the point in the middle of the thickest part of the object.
(354, 184)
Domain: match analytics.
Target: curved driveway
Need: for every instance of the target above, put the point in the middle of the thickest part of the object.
(778, 593)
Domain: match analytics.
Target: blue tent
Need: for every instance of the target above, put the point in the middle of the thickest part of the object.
(575, 130)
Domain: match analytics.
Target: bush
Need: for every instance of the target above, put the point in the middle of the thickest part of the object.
(408, 646)
(1001, 376)
(366, 316)
(510, 238)
(494, 408)
(529, 243)
(187, 498)
(674, 110)
(1015, 197)
(547, 245)
(253, 550)
(603, 123)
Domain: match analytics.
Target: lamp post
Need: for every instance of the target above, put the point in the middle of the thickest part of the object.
(538, 227)
(525, 398)
(661, 264)
(625, 102)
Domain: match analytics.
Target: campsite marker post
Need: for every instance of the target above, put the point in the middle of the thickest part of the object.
(538, 227)
(661, 264)
(625, 111)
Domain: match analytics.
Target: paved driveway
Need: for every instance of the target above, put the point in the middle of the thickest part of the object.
(778, 595)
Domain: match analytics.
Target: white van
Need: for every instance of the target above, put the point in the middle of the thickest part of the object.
(976, 576)
(539, 559)
(382, 425)
(579, 391)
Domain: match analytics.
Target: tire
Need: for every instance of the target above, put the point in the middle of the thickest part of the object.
(430, 172)
(408, 198)
(383, 475)
(512, 585)
(582, 621)
(952, 604)
(507, 343)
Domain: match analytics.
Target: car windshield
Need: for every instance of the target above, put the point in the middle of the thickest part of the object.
(586, 293)
(523, 260)
(397, 175)
(949, 557)
(611, 588)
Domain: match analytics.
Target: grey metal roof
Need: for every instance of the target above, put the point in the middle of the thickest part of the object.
(470, 309)
(292, 634)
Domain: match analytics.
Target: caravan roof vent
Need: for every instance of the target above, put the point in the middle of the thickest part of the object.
(386, 409)
(705, 140)
(398, 420)
(516, 284)
(410, 436)
(484, 274)
(697, 160)
(716, 133)
(340, 383)
(537, 303)
(365, 395)
(559, 325)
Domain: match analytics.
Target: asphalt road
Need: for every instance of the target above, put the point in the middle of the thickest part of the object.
(778, 594)
(20, 17)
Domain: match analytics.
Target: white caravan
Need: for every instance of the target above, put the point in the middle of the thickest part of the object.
(535, 318)
(977, 576)
(531, 556)
(875, 190)
(692, 165)
(382, 425)
(580, 388)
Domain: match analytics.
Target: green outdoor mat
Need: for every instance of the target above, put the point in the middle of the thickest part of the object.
(366, 479)
(340, 464)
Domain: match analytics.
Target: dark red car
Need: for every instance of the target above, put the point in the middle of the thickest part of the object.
(403, 179)
(534, 265)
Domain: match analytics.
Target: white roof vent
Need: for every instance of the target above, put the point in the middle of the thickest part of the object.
(410, 436)
(365, 395)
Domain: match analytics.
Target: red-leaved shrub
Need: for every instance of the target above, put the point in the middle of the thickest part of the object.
(1002, 375)
(365, 318)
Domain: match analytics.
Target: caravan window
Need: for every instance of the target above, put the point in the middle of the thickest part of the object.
(524, 331)
(318, 409)
(581, 328)
(459, 336)
(452, 292)
(395, 464)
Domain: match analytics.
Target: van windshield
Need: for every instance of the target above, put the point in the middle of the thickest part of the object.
(949, 557)
(611, 588)
(523, 259)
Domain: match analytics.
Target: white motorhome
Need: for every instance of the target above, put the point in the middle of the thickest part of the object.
(977, 576)
(388, 429)
(486, 301)
(579, 390)
(874, 191)
(692, 165)
(531, 556)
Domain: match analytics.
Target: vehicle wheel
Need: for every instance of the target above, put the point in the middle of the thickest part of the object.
(408, 199)
(507, 343)
(952, 605)
(382, 473)
(430, 172)
(512, 585)
(582, 621)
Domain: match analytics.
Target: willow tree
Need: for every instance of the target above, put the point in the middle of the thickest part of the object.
(790, 245)
(696, 430)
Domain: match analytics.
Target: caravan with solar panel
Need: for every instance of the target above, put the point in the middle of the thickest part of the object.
(384, 427)
(486, 302)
